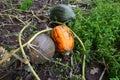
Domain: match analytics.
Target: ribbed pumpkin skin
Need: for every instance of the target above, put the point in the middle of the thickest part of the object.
(63, 38)
(61, 13)
(45, 45)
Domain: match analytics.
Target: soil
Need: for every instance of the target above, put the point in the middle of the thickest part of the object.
(10, 26)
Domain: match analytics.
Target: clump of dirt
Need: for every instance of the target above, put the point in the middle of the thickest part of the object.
(96, 71)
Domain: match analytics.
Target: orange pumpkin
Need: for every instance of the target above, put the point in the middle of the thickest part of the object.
(63, 38)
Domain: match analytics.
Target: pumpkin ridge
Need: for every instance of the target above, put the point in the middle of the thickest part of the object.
(65, 47)
(63, 38)
(44, 46)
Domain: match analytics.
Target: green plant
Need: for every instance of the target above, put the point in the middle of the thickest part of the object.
(26, 4)
(100, 32)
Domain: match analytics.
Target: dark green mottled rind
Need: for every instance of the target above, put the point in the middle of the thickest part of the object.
(61, 13)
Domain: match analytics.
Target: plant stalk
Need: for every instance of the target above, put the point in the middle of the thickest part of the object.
(12, 52)
(84, 56)
(23, 52)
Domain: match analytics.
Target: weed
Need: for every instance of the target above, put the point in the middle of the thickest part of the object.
(26, 4)
(100, 32)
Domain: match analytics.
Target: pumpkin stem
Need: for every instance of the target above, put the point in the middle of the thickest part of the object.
(67, 53)
(57, 22)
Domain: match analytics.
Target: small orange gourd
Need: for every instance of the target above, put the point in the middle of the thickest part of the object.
(63, 38)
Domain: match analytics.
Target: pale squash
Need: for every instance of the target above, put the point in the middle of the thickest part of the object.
(45, 45)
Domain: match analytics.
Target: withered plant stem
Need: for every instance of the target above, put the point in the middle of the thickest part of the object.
(24, 54)
(84, 56)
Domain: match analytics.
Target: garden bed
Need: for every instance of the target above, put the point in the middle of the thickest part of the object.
(97, 24)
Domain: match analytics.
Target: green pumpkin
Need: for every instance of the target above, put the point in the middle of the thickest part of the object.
(61, 13)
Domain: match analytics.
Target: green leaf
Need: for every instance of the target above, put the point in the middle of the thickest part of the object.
(26, 4)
